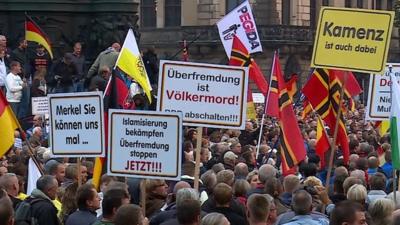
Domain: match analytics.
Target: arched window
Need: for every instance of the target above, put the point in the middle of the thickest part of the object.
(148, 13)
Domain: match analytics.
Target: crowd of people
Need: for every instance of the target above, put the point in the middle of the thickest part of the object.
(237, 186)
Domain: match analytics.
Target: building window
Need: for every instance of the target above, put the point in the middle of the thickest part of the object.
(324, 2)
(378, 4)
(347, 4)
(286, 12)
(231, 4)
(360, 4)
(313, 13)
(390, 5)
(172, 13)
(148, 13)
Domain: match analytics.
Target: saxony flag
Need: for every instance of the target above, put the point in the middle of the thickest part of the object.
(130, 62)
(395, 123)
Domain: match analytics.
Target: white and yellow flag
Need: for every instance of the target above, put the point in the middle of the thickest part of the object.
(130, 62)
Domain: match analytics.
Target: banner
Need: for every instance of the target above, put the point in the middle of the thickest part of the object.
(352, 39)
(239, 21)
(378, 104)
(208, 95)
(145, 144)
(76, 124)
(40, 105)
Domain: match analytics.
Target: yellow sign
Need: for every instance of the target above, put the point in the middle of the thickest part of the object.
(352, 39)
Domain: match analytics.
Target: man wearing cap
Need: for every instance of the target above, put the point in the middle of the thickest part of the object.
(230, 160)
(63, 74)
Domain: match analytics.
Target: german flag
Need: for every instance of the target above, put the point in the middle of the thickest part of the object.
(291, 141)
(323, 92)
(35, 34)
(115, 97)
(8, 124)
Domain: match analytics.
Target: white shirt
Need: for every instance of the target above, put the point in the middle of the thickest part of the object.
(14, 88)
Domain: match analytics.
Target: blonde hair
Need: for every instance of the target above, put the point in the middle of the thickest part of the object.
(358, 193)
(381, 211)
(312, 181)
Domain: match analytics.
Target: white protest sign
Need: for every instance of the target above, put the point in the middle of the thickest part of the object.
(208, 95)
(76, 124)
(258, 98)
(40, 105)
(145, 144)
(239, 21)
(378, 105)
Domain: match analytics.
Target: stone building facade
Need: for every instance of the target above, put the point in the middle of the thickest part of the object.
(284, 25)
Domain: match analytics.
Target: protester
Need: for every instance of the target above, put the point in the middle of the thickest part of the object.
(130, 215)
(258, 208)
(112, 200)
(88, 202)
(14, 85)
(9, 182)
(348, 212)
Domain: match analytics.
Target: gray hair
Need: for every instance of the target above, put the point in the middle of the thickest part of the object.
(266, 171)
(5, 180)
(213, 219)
(381, 211)
(45, 182)
(186, 194)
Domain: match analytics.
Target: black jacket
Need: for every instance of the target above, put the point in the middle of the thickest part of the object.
(44, 211)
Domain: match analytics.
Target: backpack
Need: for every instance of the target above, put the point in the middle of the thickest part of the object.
(23, 213)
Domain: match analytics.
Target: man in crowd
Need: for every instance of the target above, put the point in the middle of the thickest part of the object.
(257, 209)
(106, 58)
(112, 200)
(88, 202)
(20, 55)
(130, 215)
(14, 85)
(78, 60)
(348, 212)
(9, 182)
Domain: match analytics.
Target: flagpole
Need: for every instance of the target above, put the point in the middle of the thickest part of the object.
(266, 106)
(333, 144)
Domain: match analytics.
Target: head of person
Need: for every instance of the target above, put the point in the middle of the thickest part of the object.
(360, 174)
(112, 200)
(215, 219)
(15, 67)
(257, 209)
(77, 49)
(301, 202)
(105, 72)
(3, 42)
(266, 171)
(241, 187)
(204, 155)
(341, 170)
(348, 213)
(236, 147)
(230, 158)
(381, 211)
(350, 181)
(338, 184)
(222, 195)
(48, 185)
(157, 187)
(309, 169)
(209, 179)
(377, 182)
(373, 162)
(37, 132)
(6, 211)
(291, 183)
(37, 121)
(252, 178)
(116, 46)
(130, 214)
(226, 176)
(357, 193)
(9, 182)
(22, 43)
(105, 180)
(273, 187)
(87, 197)
(40, 49)
(241, 170)
(273, 212)
(188, 212)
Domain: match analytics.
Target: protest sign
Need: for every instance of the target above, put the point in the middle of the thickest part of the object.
(40, 105)
(258, 98)
(352, 39)
(208, 95)
(145, 144)
(76, 124)
(239, 21)
(378, 104)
